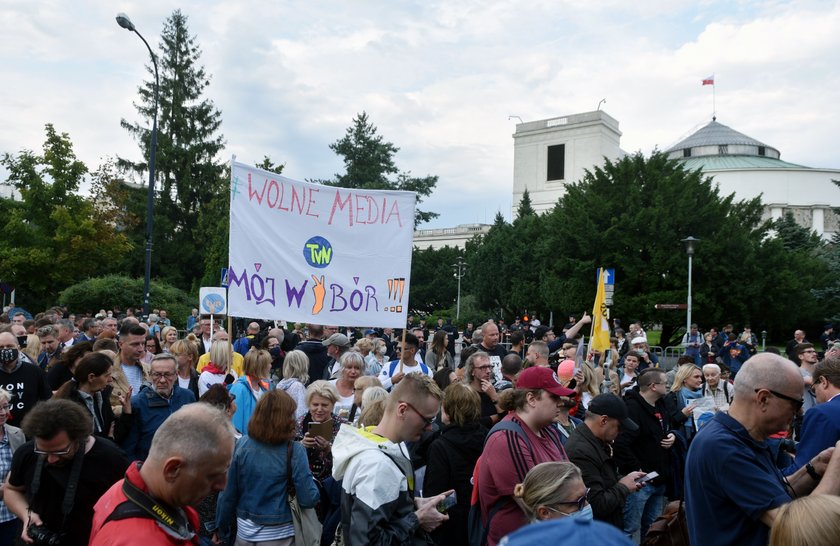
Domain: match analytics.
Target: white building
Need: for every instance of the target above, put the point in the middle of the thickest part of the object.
(549, 153)
(455, 237)
(748, 168)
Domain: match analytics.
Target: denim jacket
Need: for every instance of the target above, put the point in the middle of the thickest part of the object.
(256, 487)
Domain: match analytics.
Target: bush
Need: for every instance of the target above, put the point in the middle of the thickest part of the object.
(114, 290)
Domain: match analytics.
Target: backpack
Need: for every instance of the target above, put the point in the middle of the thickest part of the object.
(477, 529)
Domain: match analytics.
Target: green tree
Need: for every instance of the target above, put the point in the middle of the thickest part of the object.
(369, 162)
(187, 173)
(53, 236)
(525, 208)
(217, 232)
(116, 290)
(503, 272)
(631, 215)
(795, 237)
(433, 282)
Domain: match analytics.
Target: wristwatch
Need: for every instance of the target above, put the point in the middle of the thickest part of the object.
(809, 468)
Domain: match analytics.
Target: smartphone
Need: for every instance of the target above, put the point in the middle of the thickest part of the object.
(647, 477)
(448, 502)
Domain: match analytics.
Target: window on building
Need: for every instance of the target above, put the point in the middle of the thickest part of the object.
(723, 149)
(687, 152)
(556, 162)
(761, 150)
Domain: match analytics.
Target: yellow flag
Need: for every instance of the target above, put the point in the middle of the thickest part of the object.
(600, 326)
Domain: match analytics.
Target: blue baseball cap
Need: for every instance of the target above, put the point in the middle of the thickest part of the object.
(567, 531)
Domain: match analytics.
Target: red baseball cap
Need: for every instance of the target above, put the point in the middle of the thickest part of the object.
(538, 377)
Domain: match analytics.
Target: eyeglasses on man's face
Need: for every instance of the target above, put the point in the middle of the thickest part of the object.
(426, 420)
(797, 403)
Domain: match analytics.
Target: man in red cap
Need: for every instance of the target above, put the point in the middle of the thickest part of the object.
(520, 441)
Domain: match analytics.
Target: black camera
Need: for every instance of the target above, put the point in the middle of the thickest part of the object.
(41, 535)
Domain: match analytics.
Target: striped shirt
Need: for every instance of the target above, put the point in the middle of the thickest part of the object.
(252, 532)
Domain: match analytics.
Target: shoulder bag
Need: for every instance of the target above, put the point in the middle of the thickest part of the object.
(307, 527)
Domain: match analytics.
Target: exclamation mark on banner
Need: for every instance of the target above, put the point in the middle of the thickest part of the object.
(402, 290)
(396, 291)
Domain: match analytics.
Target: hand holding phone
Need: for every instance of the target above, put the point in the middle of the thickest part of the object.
(448, 502)
(647, 477)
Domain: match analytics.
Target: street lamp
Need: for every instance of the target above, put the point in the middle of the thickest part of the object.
(690, 242)
(460, 270)
(125, 22)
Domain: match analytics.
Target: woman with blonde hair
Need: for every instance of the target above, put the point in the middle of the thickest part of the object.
(361, 385)
(186, 355)
(295, 377)
(553, 490)
(321, 397)
(680, 402)
(218, 369)
(590, 387)
(33, 347)
(352, 365)
(807, 521)
(168, 336)
(251, 386)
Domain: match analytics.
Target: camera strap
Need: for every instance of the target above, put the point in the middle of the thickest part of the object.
(173, 521)
(71, 487)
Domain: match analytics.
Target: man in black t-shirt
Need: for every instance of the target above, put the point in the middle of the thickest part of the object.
(62, 433)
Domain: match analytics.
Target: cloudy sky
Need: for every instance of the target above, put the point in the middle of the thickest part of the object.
(438, 78)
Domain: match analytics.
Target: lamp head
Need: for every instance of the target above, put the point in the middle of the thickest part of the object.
(690, 243)
(125, 22)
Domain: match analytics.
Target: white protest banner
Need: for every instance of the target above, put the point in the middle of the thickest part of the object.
(320, 254)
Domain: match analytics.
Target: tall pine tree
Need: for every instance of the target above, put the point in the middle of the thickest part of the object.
(188, 176)
(369, 161)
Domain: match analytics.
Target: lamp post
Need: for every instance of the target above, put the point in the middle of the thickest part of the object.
(460, 270)
(125, 22)
(690, 242)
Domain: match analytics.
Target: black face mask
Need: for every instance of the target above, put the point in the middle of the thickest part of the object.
(7, 356)
(22, 341)
(274, 352)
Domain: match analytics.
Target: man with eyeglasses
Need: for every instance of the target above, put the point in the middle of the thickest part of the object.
(648, 449)
(806, 355)
(62, 453)
(731, 477)
(25, 381)
(378, 503)
(152, 405)
(821, 425)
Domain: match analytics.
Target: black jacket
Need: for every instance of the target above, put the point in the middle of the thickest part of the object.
(318, 358)
(451, 461)
(600, 475)
(641, 450)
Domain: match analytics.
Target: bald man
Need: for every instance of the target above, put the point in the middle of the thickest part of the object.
(733, 488)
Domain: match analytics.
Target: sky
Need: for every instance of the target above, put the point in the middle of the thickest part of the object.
(439, 79)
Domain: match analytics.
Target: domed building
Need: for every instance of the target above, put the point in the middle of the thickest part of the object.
(744, 166)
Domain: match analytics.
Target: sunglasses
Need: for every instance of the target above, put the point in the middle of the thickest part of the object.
(580, 503)
(797, 403)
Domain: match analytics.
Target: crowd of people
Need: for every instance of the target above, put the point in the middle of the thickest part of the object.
(117, 430)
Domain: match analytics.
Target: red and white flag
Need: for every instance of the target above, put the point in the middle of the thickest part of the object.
(710, 80)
